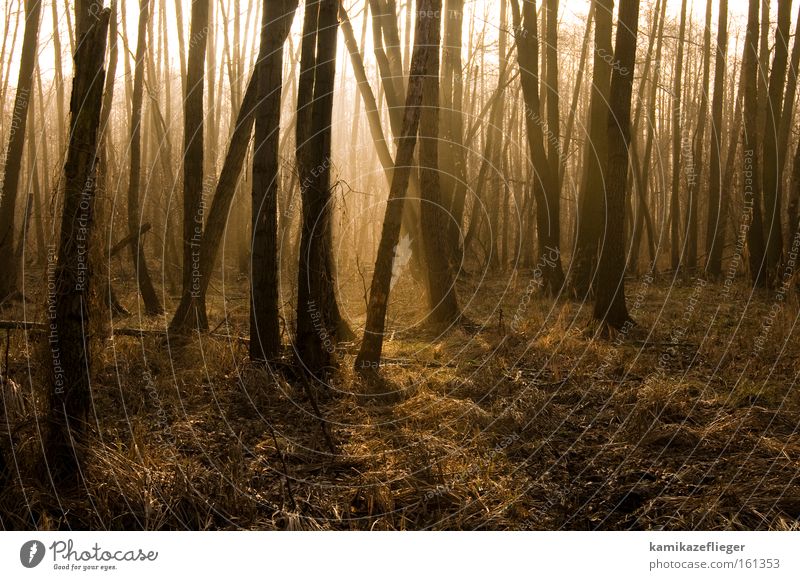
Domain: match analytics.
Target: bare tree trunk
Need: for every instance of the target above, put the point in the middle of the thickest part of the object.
(425, 35)
(455, 159)
(319, 322)
(641, 168)
(152, 305)
(675, 204)
(609, 307)
(695, 170)
(265, 337)
(548, 214)
(715, 238)
(69, 358)
(772, 171)
(193, 181)
(590, 200)
(750, 167)
(13, 159)
(441, 281)
(576, 91)
(784, 130)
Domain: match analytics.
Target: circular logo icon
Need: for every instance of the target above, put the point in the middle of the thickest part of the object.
(31, 553)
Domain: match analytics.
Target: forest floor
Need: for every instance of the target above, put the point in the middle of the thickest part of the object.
(520, 420)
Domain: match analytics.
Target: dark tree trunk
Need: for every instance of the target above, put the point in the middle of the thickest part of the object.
(152, 305)
(750, 166)
(223, 196)
(784, 130)
(193, 182)
(426, 33)
(68, 306)
(12, 165)
(772, 172)
(714, 238)
(591, 196)
(545, 186)
(609, 307)
(265, 337)
(695, 171)
(441, 281)
(319, 323)
(452, 116)
(677, 134)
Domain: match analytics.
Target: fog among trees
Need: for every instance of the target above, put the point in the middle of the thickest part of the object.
(399, 264)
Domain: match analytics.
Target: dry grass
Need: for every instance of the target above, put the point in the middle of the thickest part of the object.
(542, 428)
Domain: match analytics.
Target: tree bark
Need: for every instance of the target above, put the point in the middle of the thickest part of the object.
(426, 32)
(591, 196)
(677, 134)
(441, 281)
(548, 214)
(193, 180)
(152, 305)
(69, 357)
(750, 166)
(265, 337)
(609, 307)
(12, 165)
(714, 233)
(772, 171)
(319, 322)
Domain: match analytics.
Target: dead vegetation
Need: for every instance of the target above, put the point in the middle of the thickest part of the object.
(538, 428)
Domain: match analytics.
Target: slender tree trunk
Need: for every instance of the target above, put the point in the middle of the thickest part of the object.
(695, 170)
(677, 134)
(750, 166)
(714, 233)
(545, 184)
(455, 159)
(772, 172)
(193, 177)
(265, 337)
(576, 91)
(152, 305)
(425, 35)
(441, 281)
(784, 129)
(69, 357)
(591, 196)
(609, 307)
(319, 322)
(12, 165)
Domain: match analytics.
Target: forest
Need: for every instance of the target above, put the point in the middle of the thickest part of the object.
(399, 265)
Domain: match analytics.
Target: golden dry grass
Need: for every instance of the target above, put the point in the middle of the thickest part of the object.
(538, 428)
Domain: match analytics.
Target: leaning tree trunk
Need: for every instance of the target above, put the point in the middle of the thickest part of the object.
(425, 35)
(223, 197)
(193, 185)
(152, 306)
(609, 307)
(69, 360)
(750, 166)
(591, 196)
(265, 336)
(441, 281)
(319, 322)
(714, 237)
(772, 171)
(13, 158)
